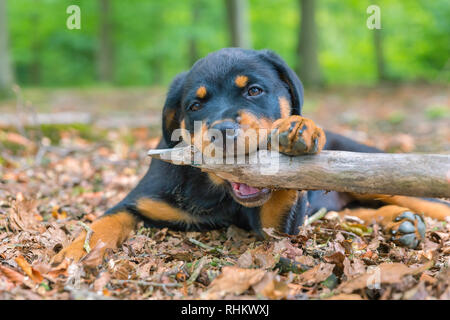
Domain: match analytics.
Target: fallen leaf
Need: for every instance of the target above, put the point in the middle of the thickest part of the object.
(357, 228)
(336, 258)
(61, 269)
(271, 287)
(102, 280)
(382, 274)
(245, 260)
(233, 280)
(427, 278)
(29, 270)
(353, 268)
(59, 213)
(317, 274)
(122, 269)
(12, 275)
(271, 232)
(344, 296)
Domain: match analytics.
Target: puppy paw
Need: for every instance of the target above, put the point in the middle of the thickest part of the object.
(296, 136)
(408, 229)
(74, 252)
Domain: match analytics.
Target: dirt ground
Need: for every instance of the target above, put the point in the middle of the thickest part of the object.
(57, 178)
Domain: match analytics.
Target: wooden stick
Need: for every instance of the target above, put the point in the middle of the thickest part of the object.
(89, 233)
(424, 175)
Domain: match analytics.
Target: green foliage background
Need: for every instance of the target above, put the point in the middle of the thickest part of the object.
(151, 39)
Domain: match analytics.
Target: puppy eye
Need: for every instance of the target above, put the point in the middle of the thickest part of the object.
(254, 91)
(195, 106)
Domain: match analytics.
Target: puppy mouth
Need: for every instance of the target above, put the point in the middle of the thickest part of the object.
(249, 196)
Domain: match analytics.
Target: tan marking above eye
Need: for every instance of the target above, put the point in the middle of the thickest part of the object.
(201, 92)
(241, 81)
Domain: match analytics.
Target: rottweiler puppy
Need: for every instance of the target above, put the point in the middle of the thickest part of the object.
(234, 91)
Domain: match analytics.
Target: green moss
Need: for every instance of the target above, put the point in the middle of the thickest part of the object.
(437, 112)
(396, 117)
(78, 190)
(87, 132)
(14, 148)
(129, 139)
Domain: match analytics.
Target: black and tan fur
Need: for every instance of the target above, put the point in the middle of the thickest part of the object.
(238, 89)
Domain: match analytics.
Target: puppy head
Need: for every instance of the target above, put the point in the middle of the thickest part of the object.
(229, 100)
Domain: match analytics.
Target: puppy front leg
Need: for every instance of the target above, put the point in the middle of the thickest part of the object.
(109, 231)
(298, 135)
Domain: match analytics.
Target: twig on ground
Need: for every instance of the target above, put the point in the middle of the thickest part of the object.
(148, 283)
(205, 246)
(343, 231)
(197, 270)
(89, 233)
(316, 216)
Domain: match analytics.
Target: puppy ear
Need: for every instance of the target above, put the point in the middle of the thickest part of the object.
(172, 108)
(288, 76)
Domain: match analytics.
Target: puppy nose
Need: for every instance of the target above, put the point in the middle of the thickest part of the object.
(229, 130)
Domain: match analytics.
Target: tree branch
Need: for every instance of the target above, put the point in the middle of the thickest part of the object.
(425, 175)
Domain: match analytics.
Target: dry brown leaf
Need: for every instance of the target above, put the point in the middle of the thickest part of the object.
(384, 273)
(427, 278)
(102, 280)
(287, 249)
(61, 269)
(233, 280)
(59, 213)
(122, 269)
(344, 296)
(262, 256)
(19, 139)
(5, 283)
(317, 274)
(271, 232)
(272, 287)
(336, 258)
(306, 260)
(12, 275)
(29, 270)
(353, 268)
(22, 215)
(95, 256)
(245, 260)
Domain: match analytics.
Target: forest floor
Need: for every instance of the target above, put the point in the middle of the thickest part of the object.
(57, 178)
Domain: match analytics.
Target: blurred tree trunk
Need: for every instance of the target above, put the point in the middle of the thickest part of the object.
(238, 23)
(105, 64)
(157, 70)
(378, 46)
(36, 49)
(308, 68)
(6, 70)
(193, 47)
(379, 55)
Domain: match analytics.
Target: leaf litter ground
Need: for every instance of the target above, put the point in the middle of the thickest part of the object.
(50, 190)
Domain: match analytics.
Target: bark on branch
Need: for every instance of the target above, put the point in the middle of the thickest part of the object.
(425, 175)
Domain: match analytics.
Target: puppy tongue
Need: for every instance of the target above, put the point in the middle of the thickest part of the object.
(244, 189)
